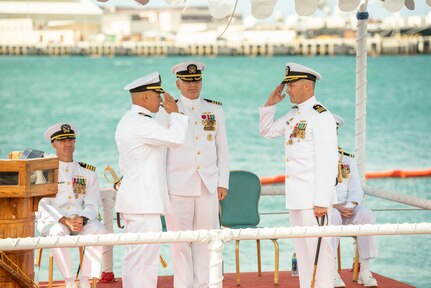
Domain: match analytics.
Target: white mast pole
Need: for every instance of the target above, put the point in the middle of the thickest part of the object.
(361, 87)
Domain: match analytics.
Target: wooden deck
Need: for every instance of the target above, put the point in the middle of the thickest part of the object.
(251, 280)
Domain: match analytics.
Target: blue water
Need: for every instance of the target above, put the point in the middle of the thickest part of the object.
(36, 92)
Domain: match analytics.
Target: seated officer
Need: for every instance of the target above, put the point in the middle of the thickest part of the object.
(350, 211)
(75, 208)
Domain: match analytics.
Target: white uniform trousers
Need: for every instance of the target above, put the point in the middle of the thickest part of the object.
(361, 215)
(92, 261)
(191, 267)
(305, 249)
(141, 261)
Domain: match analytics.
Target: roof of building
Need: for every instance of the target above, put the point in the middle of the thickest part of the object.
(65, 7)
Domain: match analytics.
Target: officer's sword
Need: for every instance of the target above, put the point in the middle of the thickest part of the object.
(316, 258)
(117, 182)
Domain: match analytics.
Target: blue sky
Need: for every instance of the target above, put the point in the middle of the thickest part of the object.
(286, 7)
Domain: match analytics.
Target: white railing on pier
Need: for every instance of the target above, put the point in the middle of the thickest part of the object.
(414, 201)
(214, 238)
(397, 197)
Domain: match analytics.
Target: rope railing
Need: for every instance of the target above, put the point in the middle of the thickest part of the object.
(397, 197)
(228, 234)
(214, 238)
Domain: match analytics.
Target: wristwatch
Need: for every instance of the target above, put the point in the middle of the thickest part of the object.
(350, 205)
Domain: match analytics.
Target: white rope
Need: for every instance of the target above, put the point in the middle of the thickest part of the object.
(207, 236)
(216, 259)
(361, 90)
(271, 190)
(108, 200)
(398, 197)
(274, 190)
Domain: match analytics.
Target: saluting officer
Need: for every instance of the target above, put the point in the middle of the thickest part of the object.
(141, 143)
(311, 165)
(349, 210)
(75, 208)
(197, 173)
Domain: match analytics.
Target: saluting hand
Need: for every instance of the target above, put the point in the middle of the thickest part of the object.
(169, 104)
(276, 96)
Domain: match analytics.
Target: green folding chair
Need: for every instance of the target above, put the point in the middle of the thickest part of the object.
(240, 210)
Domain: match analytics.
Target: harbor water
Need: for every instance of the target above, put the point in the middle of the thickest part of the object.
(38, 91)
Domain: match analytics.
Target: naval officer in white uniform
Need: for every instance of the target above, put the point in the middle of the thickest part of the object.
(349, 210)
(311, 165)
(75, 208)
(198, 174)
(142, 143)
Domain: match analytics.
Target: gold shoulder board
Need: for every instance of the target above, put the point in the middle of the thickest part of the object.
(348, 154)
(319, 108)
(214, 102)
(87, 166)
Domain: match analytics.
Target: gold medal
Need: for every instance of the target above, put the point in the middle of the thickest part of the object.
(210, 137)
(290, 142)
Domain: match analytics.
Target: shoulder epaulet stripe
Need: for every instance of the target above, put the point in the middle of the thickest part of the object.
(87, 166)
(214, 102)
(319, 108)
(346, 154)
(146, 115)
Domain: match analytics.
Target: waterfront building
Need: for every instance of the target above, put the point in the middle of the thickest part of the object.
(58, 27)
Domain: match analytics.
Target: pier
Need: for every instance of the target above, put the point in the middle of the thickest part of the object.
(400, 45)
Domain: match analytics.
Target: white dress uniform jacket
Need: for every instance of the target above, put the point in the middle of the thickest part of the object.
(78, 194)
(141, 198)
(141, 141)
(311, 153)
(350, 189)
(85, 202)
(311, 170)
(204, 156)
